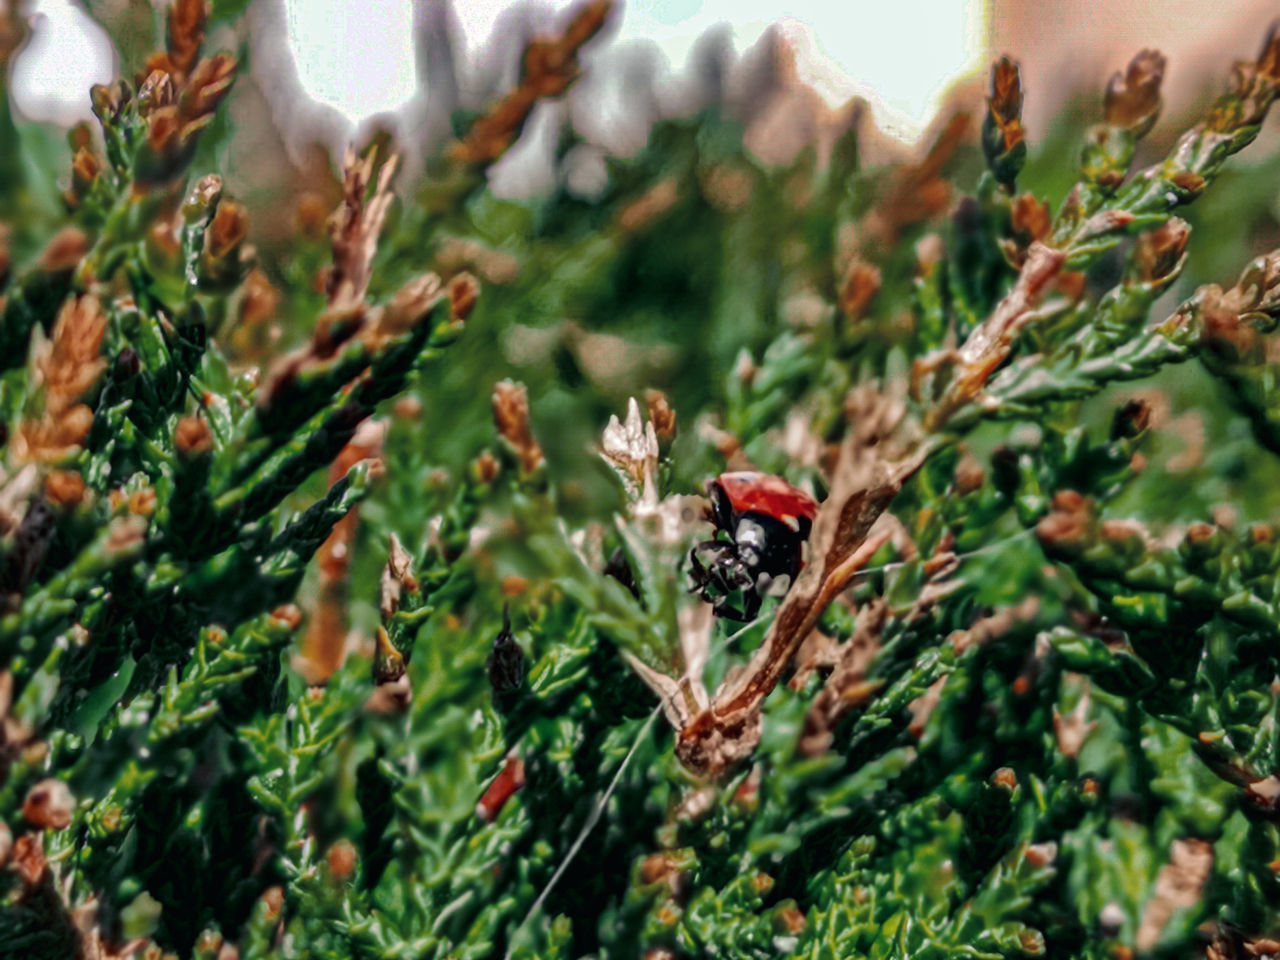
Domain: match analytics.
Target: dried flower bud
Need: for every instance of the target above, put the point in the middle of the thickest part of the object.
(84, 170)
(504, 785)
(1131, 420)
(157, 93)
(272, 901)
(463, 292)
(192, 437)
(1005, 777)
(6, 843)
(64, 488)
(108, 100)
(860, 286)
(163, 127)
(49, 805)
(1030, 218)
(388, 662)
(631, 448)
(28, 860)
(1005, 101)
(1132, 99)
(397, 578)
(661, 416)
(790, 920)
(1158, 253)
(227, 231)
(969, 475)
(485, 467)
(511, 416)
(1002, 137)
(342, 859)
(64, 251)
(126, 534)
(288, 614)
(209, 83)
(187, 20)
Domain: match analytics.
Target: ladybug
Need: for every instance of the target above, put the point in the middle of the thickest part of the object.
(767, 521)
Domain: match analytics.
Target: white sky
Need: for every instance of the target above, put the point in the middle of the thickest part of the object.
(357, 56)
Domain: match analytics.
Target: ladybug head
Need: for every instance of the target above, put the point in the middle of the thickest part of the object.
(767, 521)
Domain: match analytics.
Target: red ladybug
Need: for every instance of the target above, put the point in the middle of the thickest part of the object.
(767, 521)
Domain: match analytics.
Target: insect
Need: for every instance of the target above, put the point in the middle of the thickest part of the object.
(767, 521)
(507, 662)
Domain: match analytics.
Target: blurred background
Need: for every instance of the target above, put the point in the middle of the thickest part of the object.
(350, 61)
(325, 73)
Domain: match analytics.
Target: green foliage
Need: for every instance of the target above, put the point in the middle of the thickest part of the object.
(1030, 703)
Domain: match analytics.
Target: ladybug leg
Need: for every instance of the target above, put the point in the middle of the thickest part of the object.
(701, 577)
(727, 612)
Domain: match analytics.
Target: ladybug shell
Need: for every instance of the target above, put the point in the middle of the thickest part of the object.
(750, 492)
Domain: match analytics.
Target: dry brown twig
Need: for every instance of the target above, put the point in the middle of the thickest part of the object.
(549, 67)
(66, 369)
(873, 465)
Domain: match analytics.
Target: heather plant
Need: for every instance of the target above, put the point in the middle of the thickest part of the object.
(346, 598)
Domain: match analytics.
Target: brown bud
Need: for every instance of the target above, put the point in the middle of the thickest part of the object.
(1187, 181)
(1133, 96)
(157, 92)
(65, 250)
(1132, 419)
(514, 586)
(1005, 102)
(342, 858)
(163, 127)
(1005, 777)
(49, 805)
(209, 83)
(227, 231)
(288, 614)
(1030, 217)
(463, 292)
(790, 919)
(272, 901)
(186, 32)
(79, 136)
(486, 467)
(28, 859)
(860, 286)
(511, 416)
(142, 502)
(84, 168)
(969, 475)
(6, 843)
(64, 488)
(109, 99)
(661, 415)
(192, 437)
(1201, 532)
